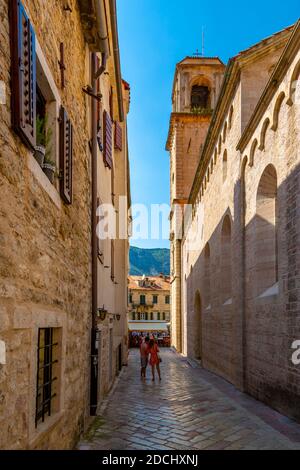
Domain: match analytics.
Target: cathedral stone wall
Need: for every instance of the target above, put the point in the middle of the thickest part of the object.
(239, 295)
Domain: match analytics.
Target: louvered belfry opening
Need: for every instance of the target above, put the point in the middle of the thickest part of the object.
(200, 97)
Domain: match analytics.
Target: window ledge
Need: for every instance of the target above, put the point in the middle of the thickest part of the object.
(44, 428)
(228, 302)
(43, 181)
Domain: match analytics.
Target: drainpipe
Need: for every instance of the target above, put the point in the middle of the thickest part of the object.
(102, 33)
(94, 349)
(115, 39)
(101, 26)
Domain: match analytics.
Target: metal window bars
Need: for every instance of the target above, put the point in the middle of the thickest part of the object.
(45, 379)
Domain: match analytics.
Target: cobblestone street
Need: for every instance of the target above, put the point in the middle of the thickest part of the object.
(189, 409)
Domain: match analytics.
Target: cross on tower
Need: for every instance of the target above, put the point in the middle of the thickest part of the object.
(197, 53)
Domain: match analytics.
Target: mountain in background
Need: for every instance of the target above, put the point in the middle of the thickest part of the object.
(151, 262)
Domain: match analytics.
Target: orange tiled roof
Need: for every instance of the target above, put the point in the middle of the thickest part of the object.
(159, 282)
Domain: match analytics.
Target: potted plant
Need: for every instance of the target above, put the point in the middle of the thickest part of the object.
(40, 148)
(49, 168)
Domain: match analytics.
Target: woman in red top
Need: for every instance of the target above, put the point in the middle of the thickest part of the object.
(154, 358)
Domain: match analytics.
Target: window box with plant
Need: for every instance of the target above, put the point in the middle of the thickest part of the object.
(43, 148)
(35, 100)
(49, 168)
(43, 140)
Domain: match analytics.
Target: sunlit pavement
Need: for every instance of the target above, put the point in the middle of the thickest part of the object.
(189, 409)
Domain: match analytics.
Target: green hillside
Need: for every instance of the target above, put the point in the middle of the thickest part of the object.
(149, 261)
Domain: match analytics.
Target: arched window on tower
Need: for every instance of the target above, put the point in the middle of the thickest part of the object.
(224, 166)
(200, 97)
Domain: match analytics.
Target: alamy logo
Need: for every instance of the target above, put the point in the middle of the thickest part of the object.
(296, 354)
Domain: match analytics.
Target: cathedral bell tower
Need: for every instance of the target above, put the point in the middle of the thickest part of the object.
(196, 88)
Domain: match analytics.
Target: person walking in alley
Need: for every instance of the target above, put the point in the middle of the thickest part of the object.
(154, 358)
(144, 351)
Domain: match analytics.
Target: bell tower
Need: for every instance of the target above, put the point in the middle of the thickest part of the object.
(196, 88)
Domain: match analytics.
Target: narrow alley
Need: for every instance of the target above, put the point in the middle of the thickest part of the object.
(190, 409)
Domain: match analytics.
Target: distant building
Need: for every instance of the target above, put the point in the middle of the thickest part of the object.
(149, 303)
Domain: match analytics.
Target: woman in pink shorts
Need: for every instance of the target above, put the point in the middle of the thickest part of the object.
(154, 358)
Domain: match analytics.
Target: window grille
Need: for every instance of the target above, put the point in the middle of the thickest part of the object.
(46, 353)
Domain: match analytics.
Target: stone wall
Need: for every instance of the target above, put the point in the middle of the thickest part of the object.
(272, 315)
(248, 338)
(45, 248)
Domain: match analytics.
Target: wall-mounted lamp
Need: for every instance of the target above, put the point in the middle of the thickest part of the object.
(101, 313)
(116, 316)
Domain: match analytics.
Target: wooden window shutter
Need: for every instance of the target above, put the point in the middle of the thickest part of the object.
(118, 136)
(107, 139)
(23, 74)
(66, 157)
(99, 112)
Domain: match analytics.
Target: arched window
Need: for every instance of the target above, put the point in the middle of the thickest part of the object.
(230, 117)
(220, 144)
(224, 165)
(200, 97)
(225, 132)
(252, 152)
(206, 282)
(263, 133)
(216, 156)
(276, 111)
(294, 91)
(266, 231)
(226, 288)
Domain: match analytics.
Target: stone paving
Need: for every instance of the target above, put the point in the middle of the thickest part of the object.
(189, 409)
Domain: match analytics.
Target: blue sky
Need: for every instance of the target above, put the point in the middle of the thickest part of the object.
(156, 34)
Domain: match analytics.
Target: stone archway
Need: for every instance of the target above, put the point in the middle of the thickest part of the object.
(198, 326)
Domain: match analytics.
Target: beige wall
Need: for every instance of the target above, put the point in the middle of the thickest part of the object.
(45, 275)
(186, 136)
(45, 266)
(246, 335)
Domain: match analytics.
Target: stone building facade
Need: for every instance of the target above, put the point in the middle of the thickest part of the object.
(237, 299)
(51, 316)
(149, 298)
